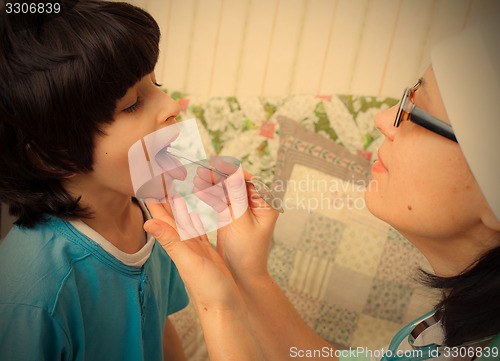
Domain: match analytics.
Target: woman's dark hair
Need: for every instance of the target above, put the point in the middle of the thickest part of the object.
(470, 307)
(61, 77)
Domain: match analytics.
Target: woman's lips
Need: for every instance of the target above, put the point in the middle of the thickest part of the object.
(378, 166)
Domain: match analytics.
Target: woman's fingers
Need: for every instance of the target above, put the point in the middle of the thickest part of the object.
(218, 203)
(197, 224)
(186, 225)
(186, 255)
(224, 166)
(183, 219)
(209, 176)
(161, 231)
(237, 192)
(162, 210)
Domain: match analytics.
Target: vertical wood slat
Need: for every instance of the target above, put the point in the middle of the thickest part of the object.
(299, 45)
(227, 62)
(243, 50)
(281, 47)
(326, 52)
(391, 44)
(345, 39)
(216, 46)
(289, 21)
(309, 56)
(257, 35)
(407, 60)
(162, 11)
(203, 42)
(270, 41)
(175, 49)
(359, 48)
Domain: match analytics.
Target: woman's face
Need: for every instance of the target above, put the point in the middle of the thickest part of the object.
(422, 184)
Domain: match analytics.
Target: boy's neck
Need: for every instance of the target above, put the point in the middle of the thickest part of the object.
(116, 217)
(122, 226)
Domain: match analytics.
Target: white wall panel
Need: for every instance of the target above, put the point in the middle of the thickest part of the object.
(285, 41)
(162, 12)
(281, 47)
(203, 45)
(314, 42)
(382, 16)
(404, 61)
(176, 44)
(229, 48)
(343, 49)
(257, 41)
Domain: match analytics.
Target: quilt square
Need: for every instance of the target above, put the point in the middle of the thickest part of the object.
(290, 227)
(399, 262)
(347, 288)
(373, 333)
(360, 249)
(336, 325)
(280, 262)
(321, 236)
(388, 300)
(310, 274)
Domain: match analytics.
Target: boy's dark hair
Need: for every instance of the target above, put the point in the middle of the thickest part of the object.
(61, 78)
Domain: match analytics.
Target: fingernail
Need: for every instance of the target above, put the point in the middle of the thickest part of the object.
(231, 160)
(154, 229)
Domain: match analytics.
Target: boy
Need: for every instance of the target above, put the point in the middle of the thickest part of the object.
(79, 278)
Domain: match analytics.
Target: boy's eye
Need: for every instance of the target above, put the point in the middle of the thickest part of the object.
(134, 106)
(158, 85)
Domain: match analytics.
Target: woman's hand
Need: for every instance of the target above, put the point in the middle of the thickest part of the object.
(212, 290)
(246, 227)
(204, 273)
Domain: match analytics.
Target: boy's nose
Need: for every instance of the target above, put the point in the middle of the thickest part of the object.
(171, 108)
(384, 121)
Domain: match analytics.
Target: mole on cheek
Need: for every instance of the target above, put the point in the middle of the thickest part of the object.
(409, 207)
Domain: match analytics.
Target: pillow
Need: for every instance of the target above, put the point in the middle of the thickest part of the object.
(348, 274)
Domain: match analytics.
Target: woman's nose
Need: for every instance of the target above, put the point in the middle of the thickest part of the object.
(384, 121)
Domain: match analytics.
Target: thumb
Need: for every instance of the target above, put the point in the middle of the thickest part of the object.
(237, 192)
(176, 249)
(162, 232)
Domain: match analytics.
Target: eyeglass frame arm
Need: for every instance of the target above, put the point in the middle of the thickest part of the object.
(428, 121)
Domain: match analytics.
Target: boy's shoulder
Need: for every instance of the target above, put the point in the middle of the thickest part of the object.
(35, 262)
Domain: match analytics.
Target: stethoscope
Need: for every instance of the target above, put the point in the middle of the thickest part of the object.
(411, 332)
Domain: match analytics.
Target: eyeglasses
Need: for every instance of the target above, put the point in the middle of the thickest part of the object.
(408, 111)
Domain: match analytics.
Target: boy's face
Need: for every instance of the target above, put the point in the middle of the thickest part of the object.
(144, 109)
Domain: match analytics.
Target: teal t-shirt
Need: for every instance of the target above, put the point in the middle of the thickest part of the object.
(62, 297)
